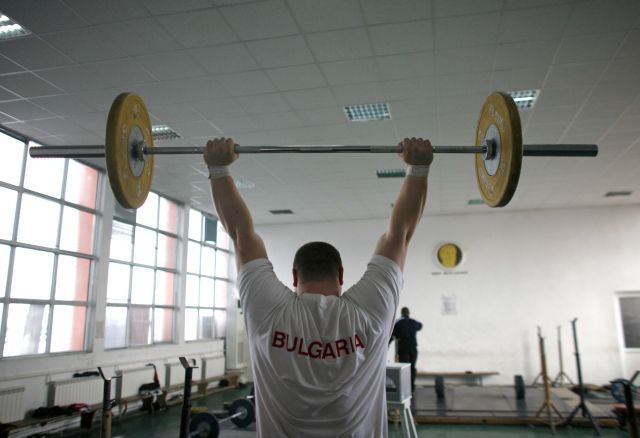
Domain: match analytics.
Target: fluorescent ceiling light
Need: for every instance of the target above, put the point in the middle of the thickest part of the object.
(284, 211)
(163, 132)
(524, 98)
(618, 193)
(475, 202)
(390, 173)
(11, 29)
(242, 183)
(367, 112)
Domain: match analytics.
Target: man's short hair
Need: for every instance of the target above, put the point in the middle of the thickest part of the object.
(317, 261)
(404, 311)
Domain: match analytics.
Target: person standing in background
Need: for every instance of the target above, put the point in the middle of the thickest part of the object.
(404, 331)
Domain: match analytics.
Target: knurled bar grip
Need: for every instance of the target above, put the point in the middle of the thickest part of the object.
(534, 150)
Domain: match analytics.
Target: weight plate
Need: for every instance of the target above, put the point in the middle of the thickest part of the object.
(247, 413)
(440, 387)
(498, 177)
(519, 385)
(127, 125)
(204, 425)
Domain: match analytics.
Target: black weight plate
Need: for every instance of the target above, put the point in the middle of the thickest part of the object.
(204, 425)
(519, 385)
(245, 408)
(440, 387)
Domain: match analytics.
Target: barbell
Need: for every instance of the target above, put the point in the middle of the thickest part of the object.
(130, 152)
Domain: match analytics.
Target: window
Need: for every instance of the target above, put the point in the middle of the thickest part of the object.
(47, 227)
(630, 314)
(208, 281)
(142, 273)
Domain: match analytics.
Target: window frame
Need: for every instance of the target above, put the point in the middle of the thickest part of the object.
(14, 243)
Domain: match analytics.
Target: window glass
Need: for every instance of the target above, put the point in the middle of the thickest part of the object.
(77, 230)
(4, 268)
(193, 290)
(223, 237)
(8, 201)
(144, 251)
(139, 326)
(630, 312)
(167, 248)
(11, 162)
(24, 284)
(193, 257)
(118, 283)
(162, 325)
(195, 225)
(168, 216)
(38, 221)
(205, 323)
(67, 331)
(72, 279)
(164, 288)
(220, 318)
(206, 292)
(191, 324)
(147, 214)
(121, 241)
(222, 287)
(208, 266)
(81, 185)
(142, 286)
(26, 329)
(115, 327)
(222, 264)
(45, 176)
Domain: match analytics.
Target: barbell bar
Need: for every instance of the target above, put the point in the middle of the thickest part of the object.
(533, 150)
(130, 152)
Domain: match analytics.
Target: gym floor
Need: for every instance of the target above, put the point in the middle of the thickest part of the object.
(167, 424)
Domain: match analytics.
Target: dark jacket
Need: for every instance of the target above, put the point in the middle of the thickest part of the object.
(405, 330)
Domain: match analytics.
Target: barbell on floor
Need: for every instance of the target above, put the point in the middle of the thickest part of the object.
(130, 152)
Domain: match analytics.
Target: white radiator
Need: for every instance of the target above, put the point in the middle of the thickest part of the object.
(213, 366)
(133, 378)
(174, 374)
(11, 404)
(79, 390)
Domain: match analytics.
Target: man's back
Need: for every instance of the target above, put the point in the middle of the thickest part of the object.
(319, 361)
(405, 330)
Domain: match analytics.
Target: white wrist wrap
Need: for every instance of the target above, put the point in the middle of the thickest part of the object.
(418, 170)
(219, 172)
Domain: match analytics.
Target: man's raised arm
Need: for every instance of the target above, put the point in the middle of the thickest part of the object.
(231, 209)
(407, 211)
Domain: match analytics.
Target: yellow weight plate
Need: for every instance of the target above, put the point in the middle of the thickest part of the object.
(498, 177)
(128, 124)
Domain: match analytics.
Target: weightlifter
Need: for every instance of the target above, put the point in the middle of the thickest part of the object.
(318, 355)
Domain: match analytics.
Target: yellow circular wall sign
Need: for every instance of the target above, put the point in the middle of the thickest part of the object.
(449, 255)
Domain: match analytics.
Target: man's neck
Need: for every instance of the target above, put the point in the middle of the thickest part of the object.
(327, 288)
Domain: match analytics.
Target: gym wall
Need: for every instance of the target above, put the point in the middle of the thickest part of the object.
(519, 270)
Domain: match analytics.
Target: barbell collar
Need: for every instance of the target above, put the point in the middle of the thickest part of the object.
(96, 151)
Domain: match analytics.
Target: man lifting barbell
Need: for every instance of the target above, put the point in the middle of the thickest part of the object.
(318, 355)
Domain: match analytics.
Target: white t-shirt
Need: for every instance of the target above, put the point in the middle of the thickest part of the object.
(319, 361)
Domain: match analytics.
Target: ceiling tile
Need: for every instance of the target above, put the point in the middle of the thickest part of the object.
(467, 31)
(267, 19)
(529, 54)
(264, 103)
(272, 121)
(446, 8)
(574, 75)
(350, 72)
(121, 73)
(8, 66)
(214, 108)
(178, 113)
(99, 11)
(243, 84)
(340, 44)
(8, 95)
(198, 29)
(599, 17)
(466, 59)
(170, 65)
(353, 94)
(310, 99)
(533, 24)
(588, 48)
(161, 7)
(23, 110)
(140, 37)
(413, 88)
(297, 78)
(65, 105)
(466, 83)
(461, 104)
(101, 100)
(28, 85)
(29, 131)
(630, 47)
(391, 39)
(623, 72)
(280, 52)
(413, 65)
(553, 115)
(601, 111)
(197, 129)
(74, 78)
(385, 11)
(605, 93)
(322, 116)
(32, 53)
(85, 45)
(57, 126)
(52, 16)
(224, 59)
(314, 16)
(562, 97)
